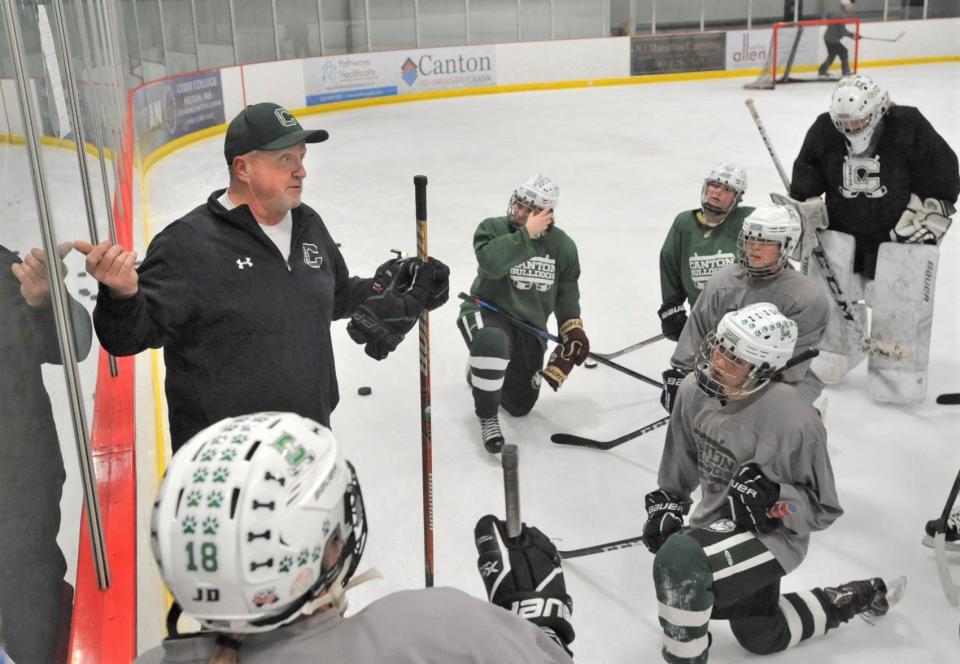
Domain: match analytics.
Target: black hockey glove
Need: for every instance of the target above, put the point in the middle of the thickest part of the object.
(671, 383)
(750, 495)
(572, 350)
(401, 289)
(665, 512)
(923, 223)
(672, 319)
(513, 572)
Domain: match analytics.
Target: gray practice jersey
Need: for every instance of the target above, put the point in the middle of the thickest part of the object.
(706, 444)
(436, 625)
(801, 298)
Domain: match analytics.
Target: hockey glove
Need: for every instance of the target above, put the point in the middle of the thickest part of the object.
(750, 495)
(401, 289)
(665, 512)
(671, 383)
(572, 350)
(672, 319)
(525, 576)
(923, 223)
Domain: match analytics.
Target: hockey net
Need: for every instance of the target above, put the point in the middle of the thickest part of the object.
(797, 49)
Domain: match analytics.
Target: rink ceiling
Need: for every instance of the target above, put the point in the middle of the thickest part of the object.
(627, 159)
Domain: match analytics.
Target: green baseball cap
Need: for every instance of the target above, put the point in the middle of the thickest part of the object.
(266, 126)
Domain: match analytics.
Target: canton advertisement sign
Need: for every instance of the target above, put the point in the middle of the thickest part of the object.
(447, 68)
(175, 107)
(664, 54)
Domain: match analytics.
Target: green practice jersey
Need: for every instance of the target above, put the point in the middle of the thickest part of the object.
(528, 279)
(693, 251)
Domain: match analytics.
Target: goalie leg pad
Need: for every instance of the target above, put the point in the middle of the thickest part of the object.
(840, 349)
(683, 581)
(902, 300)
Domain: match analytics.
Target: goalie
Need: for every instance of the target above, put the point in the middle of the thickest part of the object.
(890, 183)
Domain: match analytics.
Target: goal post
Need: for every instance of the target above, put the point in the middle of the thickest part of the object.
(797, 50)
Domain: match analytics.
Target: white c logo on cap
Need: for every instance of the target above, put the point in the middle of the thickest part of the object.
(285, 118)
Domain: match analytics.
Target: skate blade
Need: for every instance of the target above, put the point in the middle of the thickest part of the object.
(948, 546)
(895, 590)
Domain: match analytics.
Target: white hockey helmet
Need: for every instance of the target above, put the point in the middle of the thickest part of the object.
(769, 224)
(248, 517)
(745, 350)
(536, 193)
(730, 175)
(856, 108)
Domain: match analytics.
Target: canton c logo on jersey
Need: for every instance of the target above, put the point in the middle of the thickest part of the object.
(861, 176)
(539, 272)
(311, 255)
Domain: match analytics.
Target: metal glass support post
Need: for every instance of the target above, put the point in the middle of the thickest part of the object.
(366, 19)
(196, 35)
(466, 20)
(749, 14)
(886, 9)
(76, 119)
(136, 23)
(59, 300)
(553, 10)
(702, 10)
(416, 20)
(233, 34)
(519, 27)
(320, 24)
(653, 18)
(276, 31)
(926, 3)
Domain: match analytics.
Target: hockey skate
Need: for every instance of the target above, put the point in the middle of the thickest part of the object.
(491, 434)
(869, 599)
(951, 532)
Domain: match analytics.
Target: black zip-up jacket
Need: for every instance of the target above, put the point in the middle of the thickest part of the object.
(866, 195)
(243, 328)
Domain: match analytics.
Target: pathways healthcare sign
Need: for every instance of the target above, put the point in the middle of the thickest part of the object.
(347, 77)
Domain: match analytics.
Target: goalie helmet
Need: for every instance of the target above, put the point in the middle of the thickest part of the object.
(856, 108)
(748, 347)
(732, 176)
(537, 193)
(249, 519)
(766, 225)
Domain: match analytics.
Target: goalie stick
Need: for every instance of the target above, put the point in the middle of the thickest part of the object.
(950, 588)
(951, 399)
(483, 304)
(818, 253)
(580, 441)
(776, 511)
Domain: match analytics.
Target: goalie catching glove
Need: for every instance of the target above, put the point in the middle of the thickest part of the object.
(573, 349)
(923, 223)
(525, 576)
(402, 288)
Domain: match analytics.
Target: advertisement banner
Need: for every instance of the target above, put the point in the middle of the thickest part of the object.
(346, 77)
(749, 49)
(664, 54)
(445, 68)
(174, 107)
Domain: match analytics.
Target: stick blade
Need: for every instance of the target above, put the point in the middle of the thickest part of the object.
(578, 441)
(949, 399)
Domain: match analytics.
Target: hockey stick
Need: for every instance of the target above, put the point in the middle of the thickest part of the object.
(630, 349)
(483, 304)
(580, 441)
(951, 399)
(885, 39)
(828, 274)
(510, 461)
(426, 427)
(776, 511)
(950, 588)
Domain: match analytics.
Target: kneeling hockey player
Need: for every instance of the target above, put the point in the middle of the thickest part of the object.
(528, 268)
(758, 452)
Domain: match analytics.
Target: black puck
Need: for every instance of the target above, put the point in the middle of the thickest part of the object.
(364, 391)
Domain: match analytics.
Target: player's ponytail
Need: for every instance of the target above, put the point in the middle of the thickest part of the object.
(227, 647)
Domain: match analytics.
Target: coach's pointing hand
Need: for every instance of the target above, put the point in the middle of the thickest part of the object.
(112, 266)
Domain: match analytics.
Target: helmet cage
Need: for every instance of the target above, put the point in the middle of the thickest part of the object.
(772, 224)
(536, 194)
(760, 271)
(711, 378)
(856, 108)
(729, 176)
